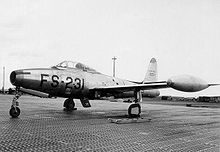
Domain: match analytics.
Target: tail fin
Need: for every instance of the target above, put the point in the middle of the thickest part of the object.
(151, 74)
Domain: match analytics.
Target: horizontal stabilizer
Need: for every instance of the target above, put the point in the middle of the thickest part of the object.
(213, 84)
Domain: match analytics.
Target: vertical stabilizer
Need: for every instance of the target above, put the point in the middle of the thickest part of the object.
(151, 74)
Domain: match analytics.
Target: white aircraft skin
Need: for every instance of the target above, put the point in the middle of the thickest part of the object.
(74, 80)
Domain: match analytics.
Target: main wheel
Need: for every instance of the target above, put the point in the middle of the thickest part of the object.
(69, 104)
(134, 110)
(14, 112)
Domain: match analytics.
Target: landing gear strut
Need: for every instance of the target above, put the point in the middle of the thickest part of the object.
(134, 109)
(15, 111)
(69, 104)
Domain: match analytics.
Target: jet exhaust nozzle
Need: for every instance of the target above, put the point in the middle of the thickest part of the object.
(187, 83)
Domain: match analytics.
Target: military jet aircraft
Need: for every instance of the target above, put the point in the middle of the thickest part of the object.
(74, 80)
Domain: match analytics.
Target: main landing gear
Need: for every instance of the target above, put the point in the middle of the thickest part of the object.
(15, 111)
(134, 112)
(69, 104)
(134, 109)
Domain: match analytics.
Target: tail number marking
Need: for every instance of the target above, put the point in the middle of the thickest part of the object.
(55, 81)
(77, 83)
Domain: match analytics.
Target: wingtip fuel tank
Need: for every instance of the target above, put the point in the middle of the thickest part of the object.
(187, 83)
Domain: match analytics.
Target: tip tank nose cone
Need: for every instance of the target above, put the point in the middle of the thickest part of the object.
(187, 83)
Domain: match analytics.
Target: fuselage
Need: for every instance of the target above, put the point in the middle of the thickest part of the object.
(71, 83)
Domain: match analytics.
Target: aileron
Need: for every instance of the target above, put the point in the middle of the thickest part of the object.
(123, 88)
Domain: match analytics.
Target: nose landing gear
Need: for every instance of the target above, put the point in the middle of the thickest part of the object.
(15, 110)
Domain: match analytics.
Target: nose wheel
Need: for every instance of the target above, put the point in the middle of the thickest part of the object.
(15, 110)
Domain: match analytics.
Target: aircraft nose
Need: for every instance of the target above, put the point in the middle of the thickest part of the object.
(16, 77)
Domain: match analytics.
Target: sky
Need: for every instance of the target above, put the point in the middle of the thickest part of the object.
(183, 35)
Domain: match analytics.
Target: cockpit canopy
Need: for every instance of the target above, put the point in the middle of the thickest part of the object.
(75, 65)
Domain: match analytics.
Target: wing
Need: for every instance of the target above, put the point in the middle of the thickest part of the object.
(183, 83)
(135, 87)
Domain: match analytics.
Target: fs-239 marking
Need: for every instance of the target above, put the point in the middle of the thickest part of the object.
(70, 83)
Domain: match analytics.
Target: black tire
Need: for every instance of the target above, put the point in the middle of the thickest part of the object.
(69, 104)
(14, 113)
(134, 106)
(65, 103)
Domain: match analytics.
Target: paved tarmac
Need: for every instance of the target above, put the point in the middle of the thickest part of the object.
(44, 126)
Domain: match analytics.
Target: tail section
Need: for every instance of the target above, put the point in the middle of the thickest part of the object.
(151, 74)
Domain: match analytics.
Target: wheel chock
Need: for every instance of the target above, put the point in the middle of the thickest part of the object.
(128, 120)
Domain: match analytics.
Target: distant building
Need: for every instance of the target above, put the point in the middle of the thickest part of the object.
(166, 97)
(208, 99)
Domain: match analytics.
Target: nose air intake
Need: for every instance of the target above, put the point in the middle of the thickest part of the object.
(13, 77)
(17, 77)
